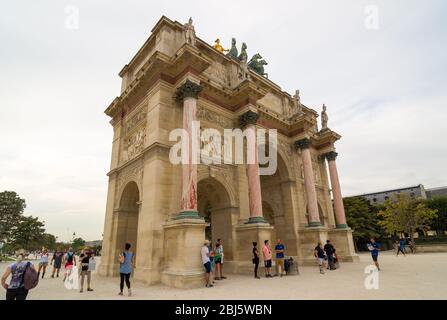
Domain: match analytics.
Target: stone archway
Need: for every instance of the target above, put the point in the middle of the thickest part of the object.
(127, 217)
(214, 205)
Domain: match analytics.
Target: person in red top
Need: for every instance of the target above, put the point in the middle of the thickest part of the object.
(267, 253)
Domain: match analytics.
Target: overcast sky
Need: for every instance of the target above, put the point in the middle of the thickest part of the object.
(384, 82)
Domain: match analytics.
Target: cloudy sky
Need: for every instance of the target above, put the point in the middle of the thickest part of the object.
(379, 66)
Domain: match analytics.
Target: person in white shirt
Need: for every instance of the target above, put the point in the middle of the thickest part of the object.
(205, 253)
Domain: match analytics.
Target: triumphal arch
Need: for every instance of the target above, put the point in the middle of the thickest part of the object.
(165, 209)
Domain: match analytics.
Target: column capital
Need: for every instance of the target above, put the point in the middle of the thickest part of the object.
(247, 118)
(331, 155)
(302, 144)
(188, 89)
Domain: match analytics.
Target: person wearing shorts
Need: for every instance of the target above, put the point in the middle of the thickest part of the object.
(43, 263)
(320, 256)
(205, 254)
(279, 249)
(85, 257)
(56, 261)
(373, 247)
(267, 253)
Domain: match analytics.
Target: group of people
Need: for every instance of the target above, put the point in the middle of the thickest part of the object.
(212, 259)
(326, 254)
(267, 257)
(15, 290)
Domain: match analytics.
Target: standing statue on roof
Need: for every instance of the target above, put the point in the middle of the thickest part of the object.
(243, 56)
(324, 118)
(218, 46)
(297, 106)
(190, 34)
(233, 51)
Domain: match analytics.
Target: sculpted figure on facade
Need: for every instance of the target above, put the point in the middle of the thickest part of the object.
(190, 34)
(297, 106)
(324, 118)
(233, 53)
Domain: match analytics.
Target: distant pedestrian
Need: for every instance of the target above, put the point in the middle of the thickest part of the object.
(218, 261)
(330, 251)
(401, 246)
(127, 263)
(267, 253)
(320, 256)
(43, 263)
(256, 259)
(69, 261)
(212, 262)
(373, 247)
(205, 254)
(84, 259)
(15, 290)
(56, 261)
(279, 249)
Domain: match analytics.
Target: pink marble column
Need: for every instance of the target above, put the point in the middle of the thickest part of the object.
(188, 93)
(309, 182)
(336, 190)
(248, 120)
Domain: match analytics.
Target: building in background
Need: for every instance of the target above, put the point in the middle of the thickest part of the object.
(417, 191)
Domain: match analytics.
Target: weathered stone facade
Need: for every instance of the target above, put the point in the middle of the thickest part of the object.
(145, 204)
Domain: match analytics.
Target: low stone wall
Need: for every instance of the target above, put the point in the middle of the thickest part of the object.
(441, 247)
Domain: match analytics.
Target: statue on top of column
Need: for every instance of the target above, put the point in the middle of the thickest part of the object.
(218, 46)
(233, 51)
(190, 34)
(243, 56)
(244, 73)
(324, 118)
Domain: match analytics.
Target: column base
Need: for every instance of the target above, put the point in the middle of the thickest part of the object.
(342, 226)
(180, 236)
(248, 233)
(308, 240)
(314, 224)
(342, 240)
(256, 220)
(188, 214)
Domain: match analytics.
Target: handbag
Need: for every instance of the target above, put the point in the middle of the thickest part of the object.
(91, 265)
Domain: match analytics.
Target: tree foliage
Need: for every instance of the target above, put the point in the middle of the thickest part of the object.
(440, 205)
(362, 217)
(11, 210)
(78, 243)
(404, 214)
(28, 234)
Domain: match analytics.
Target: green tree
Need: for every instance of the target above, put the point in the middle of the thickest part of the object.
(362, 217)
(48, 241)
(11, 210)
(78, 243)
(28, 234)
(404, 214)
(440, 222)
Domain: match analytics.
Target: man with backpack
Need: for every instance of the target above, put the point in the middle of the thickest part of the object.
(23, 278)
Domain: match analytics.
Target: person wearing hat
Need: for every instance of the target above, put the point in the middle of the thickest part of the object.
(205, 253)
(15, 290)
(85, 257)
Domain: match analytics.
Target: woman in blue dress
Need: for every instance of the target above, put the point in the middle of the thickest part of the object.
(127, 263)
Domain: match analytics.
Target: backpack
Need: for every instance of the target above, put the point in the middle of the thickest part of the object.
(122, 258)
(30, 277)
(70, 257)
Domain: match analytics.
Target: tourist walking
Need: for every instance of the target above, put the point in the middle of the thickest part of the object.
(127, 263)
(221, 248)
(256, 259)
(320, 256)
(330, 250)
(401, 246)
(279, 249)
(43, 263)
(56, 261)
(69, 261)
(84, 258)
(267, 254)
(205, 254)
(373, 247)
(15, 290)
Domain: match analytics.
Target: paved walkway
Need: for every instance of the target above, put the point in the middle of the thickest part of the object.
(421, 276)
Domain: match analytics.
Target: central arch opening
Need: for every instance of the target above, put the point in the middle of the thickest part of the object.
(127, 219)
(213, 203)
